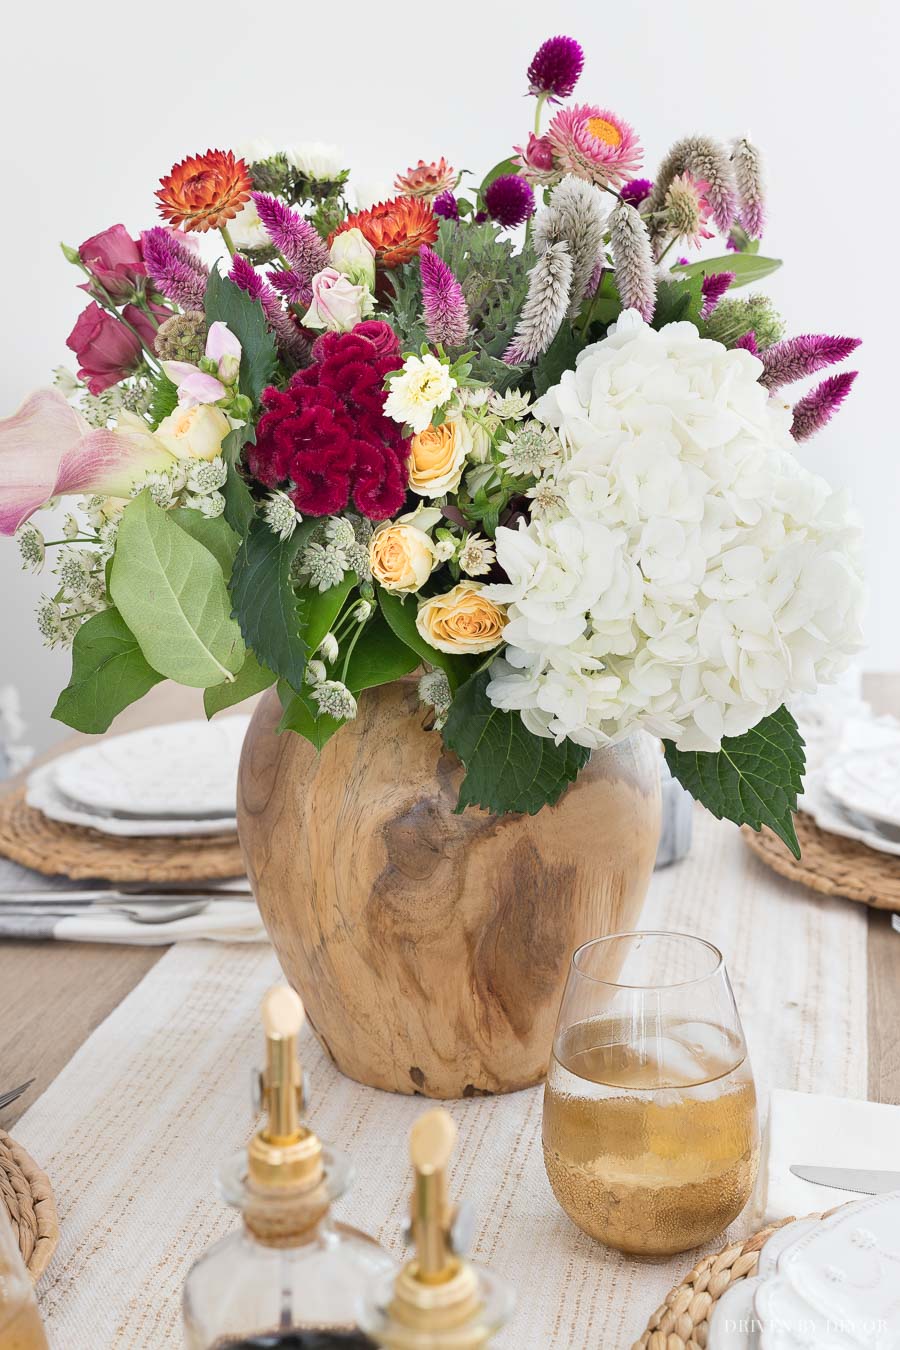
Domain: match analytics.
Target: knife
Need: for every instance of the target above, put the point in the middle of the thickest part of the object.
(865, 1180)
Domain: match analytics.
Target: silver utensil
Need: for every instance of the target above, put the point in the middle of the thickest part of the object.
(865, 1180)
(153, 913)
(78, 898)
(6, 1098)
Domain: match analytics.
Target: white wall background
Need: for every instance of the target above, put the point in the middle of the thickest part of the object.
(96, 105)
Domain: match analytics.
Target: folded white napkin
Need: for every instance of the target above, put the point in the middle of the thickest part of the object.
(819, 1131)
(223, 921)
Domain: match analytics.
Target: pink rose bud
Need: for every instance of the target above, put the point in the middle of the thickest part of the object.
(337, 304)
(114, 260)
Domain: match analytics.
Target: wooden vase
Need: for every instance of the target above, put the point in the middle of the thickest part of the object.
(431, 949)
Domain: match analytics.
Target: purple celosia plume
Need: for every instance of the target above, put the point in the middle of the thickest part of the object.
(747, 343)
(713, 287)
(291, 341)
(816, 409)
(295, 289)
(509, 200)
(445, 205)
(446, 312)
(636, 191)
(294, 237)
(795, 358)
(555, 68)
(175, 270)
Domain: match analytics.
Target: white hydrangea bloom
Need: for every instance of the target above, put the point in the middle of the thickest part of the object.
(693, 575)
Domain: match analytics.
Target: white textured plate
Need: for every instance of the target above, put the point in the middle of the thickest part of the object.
(828, 815)
(779, 1242)
(181, 769)
(734, 1324)
(868, 784)
(838, 1284)
(44, 796)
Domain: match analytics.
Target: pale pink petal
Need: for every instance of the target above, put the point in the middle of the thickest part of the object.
(199, 387)
(220, 341)
(178, 371)
(48, 450)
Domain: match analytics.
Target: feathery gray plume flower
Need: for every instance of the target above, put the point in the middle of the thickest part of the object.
(702, 157)
(546, 305)
(633, 260)
(576, 216)
(750, 189)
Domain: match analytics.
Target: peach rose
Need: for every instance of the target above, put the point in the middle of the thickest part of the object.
(437, 457)
(462, 621)
(402, 554)
(194, 433)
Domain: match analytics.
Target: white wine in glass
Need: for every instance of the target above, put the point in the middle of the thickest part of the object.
(650, 1126)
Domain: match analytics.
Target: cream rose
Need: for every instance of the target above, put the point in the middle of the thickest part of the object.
(437, 457)
(194, 433)
(402, 555)
(461, 621)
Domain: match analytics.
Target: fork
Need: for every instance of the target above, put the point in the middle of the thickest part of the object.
(6, 1098)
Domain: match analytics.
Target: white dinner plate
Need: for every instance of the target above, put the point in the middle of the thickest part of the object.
(42, 794)
(182, 769)
(734, 1325)
(830, 817)
(868, 784)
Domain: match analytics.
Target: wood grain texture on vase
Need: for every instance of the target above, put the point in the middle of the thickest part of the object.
(431, 949)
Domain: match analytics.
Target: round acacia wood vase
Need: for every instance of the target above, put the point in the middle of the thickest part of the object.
(431, 949)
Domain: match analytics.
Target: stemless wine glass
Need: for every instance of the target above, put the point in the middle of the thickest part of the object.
(651, 1141)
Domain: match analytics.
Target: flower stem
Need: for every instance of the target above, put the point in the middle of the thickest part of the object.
(223, 231)
(541, 100)
(353, 642)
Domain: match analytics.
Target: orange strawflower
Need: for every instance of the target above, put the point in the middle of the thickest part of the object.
(203, 192)
(396, 229)
(426, 180)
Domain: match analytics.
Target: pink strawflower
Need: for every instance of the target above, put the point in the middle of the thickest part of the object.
(509, 200)
(446, 311)
(294, 237)
(747, 343)
(816, 410)
(795, 358)
(713, 287)
(535, 161)
(555, 68)
(173, 267)
(594, 143)
(291, 342)
(703, 158)
(688, 209)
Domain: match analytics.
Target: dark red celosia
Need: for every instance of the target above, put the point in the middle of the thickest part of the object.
(325, 440)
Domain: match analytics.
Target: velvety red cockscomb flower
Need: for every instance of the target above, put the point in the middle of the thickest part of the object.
(204, 192)
(324, 440)
(396, 229)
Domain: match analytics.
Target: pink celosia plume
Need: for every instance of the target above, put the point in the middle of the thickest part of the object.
(747, 343)
(291, 341)
(816, 410)
(174, 268)
(48, 450)
(713, 287)
(295, 239)
(446, 311)
(795, 358)
(295, 289)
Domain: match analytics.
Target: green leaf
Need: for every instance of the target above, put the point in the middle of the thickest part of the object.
(401, 616)
(498, 171)
(317, 610)
(753, 780)
(213, 532)
(109, 672)
(227, 303)
(302, 715)
(171, 593)
(507, 768)
(559, 356)
(747, 268)
(378, 657)
(252, 678)
(678, 300)
(163, 400)
(239, 508)
(265, 604)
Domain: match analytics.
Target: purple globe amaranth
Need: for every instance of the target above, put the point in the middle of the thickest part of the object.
(555, 68)
(636, 191)
(509, 200)
(445, 205)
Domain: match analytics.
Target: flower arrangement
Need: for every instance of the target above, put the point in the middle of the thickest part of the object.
(510, 433)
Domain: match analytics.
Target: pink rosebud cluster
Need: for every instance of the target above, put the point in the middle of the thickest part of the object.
(325, 440)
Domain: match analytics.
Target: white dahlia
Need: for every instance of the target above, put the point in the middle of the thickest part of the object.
(693, 575)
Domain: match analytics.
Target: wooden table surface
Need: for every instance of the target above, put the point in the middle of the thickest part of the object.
(53, 994)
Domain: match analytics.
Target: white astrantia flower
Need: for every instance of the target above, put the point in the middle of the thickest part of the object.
(31, 546)
(693, 575)
(511, 406)
(334, 699)
(476, 557)
(530, 450)
(418, 390)
(315, 159)
(280, 514)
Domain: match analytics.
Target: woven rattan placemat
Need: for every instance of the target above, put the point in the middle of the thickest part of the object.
(682, 1321)
(57, 849)
(831, 865)
(27, 1195)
